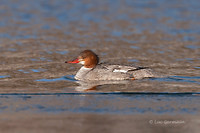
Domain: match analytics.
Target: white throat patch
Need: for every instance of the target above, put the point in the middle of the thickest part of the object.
(82, 62)
(85, 68)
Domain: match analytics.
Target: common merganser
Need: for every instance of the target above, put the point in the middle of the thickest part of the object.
(92, 70)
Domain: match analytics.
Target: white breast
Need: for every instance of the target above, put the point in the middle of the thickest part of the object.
(82, 72)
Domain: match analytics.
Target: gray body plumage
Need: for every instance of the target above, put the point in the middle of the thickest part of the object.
(113, 72)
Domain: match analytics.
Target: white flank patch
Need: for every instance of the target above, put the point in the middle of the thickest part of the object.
(117, 70)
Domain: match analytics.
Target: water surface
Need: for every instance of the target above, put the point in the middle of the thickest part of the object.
(37, 37)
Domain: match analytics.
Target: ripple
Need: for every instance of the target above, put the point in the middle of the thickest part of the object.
(33, 70)
(12, 49)
(38, 70)
(4, 76)
(68, 78)
(116, 33)
(193, 47)
(178, 79)
(111, 103)
(33, 59)
(21, 70)
(45, 59)
(62, 52)
(133, 60)
(135, 47)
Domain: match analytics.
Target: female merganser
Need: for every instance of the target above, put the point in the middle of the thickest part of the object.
(92, 70)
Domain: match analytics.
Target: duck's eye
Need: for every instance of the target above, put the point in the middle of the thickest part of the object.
(83, 57)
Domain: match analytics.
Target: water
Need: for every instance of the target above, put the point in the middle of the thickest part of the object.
(4, 76)
(87, 85)
(37, 37)
(68, 78)
(101, 103)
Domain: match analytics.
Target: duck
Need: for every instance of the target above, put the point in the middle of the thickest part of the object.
(92, 70)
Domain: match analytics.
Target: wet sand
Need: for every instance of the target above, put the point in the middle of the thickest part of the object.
(36, 38)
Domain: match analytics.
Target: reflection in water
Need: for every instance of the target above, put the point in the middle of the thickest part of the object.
(83, 85)
(86, 86)
(93, 85)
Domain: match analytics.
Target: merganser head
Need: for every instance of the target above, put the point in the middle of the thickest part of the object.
(87, 58)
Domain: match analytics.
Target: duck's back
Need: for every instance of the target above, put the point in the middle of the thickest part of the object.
(118, 72)
(106, 72)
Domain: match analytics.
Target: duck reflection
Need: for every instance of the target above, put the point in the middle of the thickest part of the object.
(94, 85)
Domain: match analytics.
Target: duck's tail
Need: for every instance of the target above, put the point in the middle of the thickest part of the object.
(143, 72)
